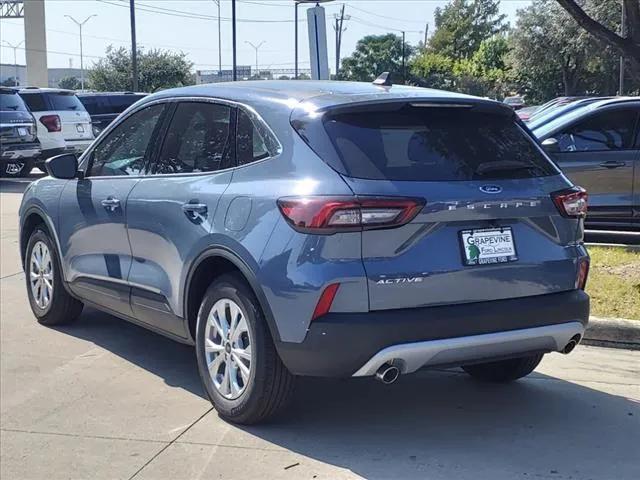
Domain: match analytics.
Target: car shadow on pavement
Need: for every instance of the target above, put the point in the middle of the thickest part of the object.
(433, 424)
(443, 424)
(165, 358)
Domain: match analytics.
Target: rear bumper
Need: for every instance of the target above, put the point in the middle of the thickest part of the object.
(347, 344)
(20, 151)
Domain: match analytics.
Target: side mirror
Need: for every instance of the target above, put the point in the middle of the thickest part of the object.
(63, 166)
(551, 145)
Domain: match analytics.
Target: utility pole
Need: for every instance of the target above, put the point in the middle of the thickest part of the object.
(134, 48)
(339, 28)
(233, 39)
(404, 63)
(256, 48)
(217, 2)
(426, 34)
(623, 33)
(80, 25)
(295, 76)
(15, 61)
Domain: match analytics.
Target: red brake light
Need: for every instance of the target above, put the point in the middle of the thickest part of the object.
(583, 273)
(327, 215)
(325, 301)
(52, 122)
(571, 202)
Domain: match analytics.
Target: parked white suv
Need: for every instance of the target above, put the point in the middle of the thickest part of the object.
(64, 125)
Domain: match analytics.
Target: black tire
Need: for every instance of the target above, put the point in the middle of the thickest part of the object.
(504, 370)
(270, 386)
(62, 308)
(26, 170)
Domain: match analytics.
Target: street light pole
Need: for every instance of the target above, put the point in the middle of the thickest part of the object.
(233, 35)
(134, 47)
(256, 48)
(15, 60)
(404, 63)
(217, 2)
(622, 30)
(296, 41)
(80, 25)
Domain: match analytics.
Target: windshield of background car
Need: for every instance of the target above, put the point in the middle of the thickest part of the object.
(543, 130)
(434, 144)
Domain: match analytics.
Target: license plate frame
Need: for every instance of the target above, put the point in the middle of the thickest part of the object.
(501, 250)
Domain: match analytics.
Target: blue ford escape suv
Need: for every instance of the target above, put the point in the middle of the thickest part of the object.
(315, 228)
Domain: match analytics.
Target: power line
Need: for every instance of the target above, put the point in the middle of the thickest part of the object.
(384, 16)
(382, 27)
(184, 14)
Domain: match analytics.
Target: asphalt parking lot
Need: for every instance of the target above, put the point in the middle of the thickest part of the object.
(104, 399)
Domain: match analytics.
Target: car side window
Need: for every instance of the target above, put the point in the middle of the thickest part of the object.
(252, 141)
(609, 130)
(198, 140)
(123, 150)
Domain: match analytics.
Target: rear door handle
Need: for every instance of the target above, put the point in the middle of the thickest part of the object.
(192, 208)
(612, 164)
(111, 204)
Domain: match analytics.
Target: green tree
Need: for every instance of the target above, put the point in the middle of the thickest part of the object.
(157, 70)
(462, 25)
(551, 55)
(70, 83)
(485, 74)
(375, 54)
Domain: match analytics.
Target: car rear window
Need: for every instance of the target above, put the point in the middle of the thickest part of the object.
(434, 144)
(35, 101)
(11, 102)
(64, 101)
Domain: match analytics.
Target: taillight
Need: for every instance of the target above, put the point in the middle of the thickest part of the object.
(583, 273)
(327, 215)
(325, 301)
(571, 202)
(52, 122)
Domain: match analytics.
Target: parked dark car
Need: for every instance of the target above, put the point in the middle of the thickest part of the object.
(538, 119)
(104, 107)
(598, 147)
(19, 145)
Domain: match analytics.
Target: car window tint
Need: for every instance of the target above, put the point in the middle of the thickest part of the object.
(609, 130)
(35, 101)
(432, 144)
(11, 102)
(65, 101)
(122, 152)
(198, 140)
(251, 143)
(119, 103)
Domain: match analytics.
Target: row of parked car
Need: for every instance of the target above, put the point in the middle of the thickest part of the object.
(39, 123)
(596, 143)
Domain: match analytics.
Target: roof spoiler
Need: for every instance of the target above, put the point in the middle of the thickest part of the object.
(384, 80)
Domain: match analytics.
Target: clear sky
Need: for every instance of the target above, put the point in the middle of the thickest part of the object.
(191, 26)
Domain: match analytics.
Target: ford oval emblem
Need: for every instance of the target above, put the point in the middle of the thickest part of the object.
(491, 189)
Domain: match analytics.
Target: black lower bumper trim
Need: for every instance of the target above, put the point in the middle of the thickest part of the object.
(338, 344)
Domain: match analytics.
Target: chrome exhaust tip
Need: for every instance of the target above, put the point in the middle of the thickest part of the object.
(573, 343)
(387, 374)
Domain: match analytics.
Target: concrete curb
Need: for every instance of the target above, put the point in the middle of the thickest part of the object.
(627, 247)
(613, 332)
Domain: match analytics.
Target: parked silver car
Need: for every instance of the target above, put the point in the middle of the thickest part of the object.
(598, 147)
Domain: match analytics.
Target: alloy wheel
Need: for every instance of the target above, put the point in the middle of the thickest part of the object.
(228, 348)
(41, 274)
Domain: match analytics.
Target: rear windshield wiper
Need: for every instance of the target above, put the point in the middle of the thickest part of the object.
(502, 166)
